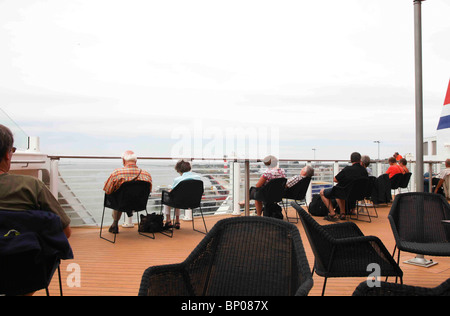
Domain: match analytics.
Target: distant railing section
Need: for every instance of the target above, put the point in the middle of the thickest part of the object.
(78, 181)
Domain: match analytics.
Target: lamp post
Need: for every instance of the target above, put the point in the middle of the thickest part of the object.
(419, 260)
(378, 142)
(418, 93)
(314, 150)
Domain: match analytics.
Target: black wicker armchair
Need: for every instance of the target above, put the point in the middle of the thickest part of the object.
(416, 221)
(392, 289)
(341, 250)
(245, 256)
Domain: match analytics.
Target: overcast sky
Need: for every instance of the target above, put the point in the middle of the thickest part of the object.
(99, 77)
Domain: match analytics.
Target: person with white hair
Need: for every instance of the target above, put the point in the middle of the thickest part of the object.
(129, 172)
(307, 171)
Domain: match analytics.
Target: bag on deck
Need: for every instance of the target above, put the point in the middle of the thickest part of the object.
(151, 223)
(317, 207)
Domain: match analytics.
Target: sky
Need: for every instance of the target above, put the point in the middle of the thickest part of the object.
(207, 78)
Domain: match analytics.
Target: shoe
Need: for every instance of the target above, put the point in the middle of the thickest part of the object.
(114, 229)
(331, 218)
(177, 225)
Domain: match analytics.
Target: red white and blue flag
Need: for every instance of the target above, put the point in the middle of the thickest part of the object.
(444, 122)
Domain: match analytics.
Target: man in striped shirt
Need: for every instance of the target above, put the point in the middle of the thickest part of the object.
(129, 172)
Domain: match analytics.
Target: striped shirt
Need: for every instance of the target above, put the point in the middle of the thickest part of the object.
(293, 181)
(128, 173)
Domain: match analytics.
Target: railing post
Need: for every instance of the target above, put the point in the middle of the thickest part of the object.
(54, 176)
(247, 188)
(335, 171)
(309, 192)
(412, 181)
(236, 188)
(430, 172)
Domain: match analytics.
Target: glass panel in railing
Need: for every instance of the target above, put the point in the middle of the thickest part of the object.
(20, 137)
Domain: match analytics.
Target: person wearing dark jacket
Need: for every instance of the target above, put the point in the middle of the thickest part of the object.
(343, 178)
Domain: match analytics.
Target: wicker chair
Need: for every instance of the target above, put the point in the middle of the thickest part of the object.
(416, 221)
(245, 256)
(341, 250)
(392, 289)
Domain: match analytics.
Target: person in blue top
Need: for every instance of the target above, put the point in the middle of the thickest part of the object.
(184, 169)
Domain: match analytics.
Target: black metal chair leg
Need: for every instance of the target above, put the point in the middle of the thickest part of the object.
(101, 228)
(60, 282)
(286, 205)
(163, 232)
(204, 223)
(324, 286)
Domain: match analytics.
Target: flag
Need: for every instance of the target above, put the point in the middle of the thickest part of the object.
(444, 121)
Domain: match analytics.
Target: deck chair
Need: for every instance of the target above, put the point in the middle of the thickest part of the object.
(243, 256)
(342, 250)
(362, 195)
(352, 193)
(270, 194)
(132, 196)
(395, 181)
(416, 222)
(32, 245)
(298, 194)
(405, 182)
(186, 195)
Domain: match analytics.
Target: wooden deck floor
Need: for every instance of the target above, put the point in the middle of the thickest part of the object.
(115, 269)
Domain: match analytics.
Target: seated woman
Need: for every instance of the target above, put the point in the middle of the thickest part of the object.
(272, 172)
(402, 163)
(184, 169)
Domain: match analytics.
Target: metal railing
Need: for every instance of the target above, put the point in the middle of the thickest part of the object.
(78, 181)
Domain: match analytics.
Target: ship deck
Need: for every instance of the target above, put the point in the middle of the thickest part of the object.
(116, 269)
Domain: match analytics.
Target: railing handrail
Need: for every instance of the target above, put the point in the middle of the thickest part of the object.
(229, 159)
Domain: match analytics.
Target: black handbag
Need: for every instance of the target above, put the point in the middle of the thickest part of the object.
(151, 223)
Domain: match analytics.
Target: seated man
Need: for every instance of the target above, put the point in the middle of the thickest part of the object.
(394, 168)
(129, 172)
(307, 171)
(343, 178)
(444, 177)
(24, 193)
